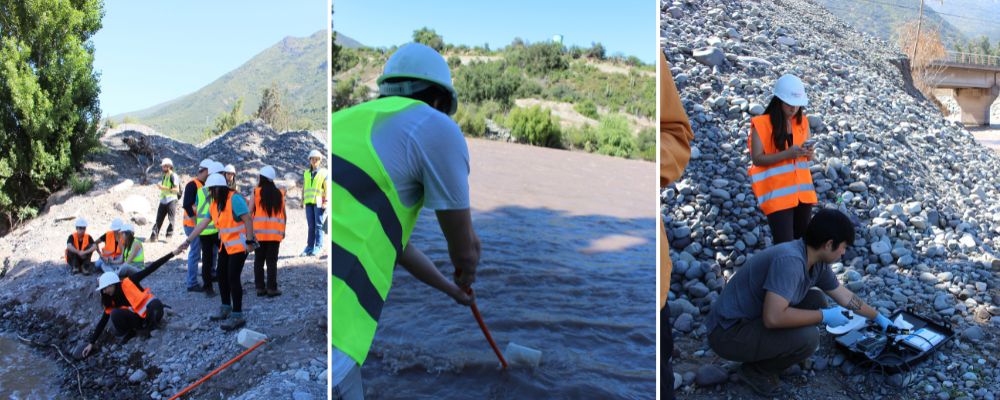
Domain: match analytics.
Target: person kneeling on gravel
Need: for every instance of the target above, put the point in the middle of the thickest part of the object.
(128, 305)
(767, 314)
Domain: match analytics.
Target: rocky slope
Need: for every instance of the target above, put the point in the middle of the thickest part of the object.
(924, 193)
(41, 301)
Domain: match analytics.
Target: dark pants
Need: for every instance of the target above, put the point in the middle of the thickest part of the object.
(165, 210)
(666, 354)
(125, 321)
(209, 248)
(769, 350)
(790, 224)
(266, 253)
(79, 263)
(230, 268)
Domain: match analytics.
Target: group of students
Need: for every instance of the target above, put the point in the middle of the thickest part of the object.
(219, 222)
(766, 315)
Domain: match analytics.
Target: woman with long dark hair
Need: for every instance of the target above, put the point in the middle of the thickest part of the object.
(268, 211)
(781, 153)
(231, 216)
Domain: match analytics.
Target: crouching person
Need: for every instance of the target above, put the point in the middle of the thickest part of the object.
(128, 305)
(767, 314)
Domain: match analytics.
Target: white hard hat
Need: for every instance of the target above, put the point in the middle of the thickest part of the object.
(128, 228)
(81, 223)
(790, 89)
(215, 168)
(416, 61)
(230, 169)
(315, 154)
(167, 161)
(107, 279)
(116, 225)
(268, 172)
(206, 163)
(216, 180)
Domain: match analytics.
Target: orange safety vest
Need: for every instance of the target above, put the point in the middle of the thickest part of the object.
(783, 185)
(77, 243)
(111, 249)
(268, 228)
(232, 233)
(137, 300)
(189, 220)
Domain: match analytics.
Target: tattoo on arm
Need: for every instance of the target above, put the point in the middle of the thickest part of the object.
(855, 303)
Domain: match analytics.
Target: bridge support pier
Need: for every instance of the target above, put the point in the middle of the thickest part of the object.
(975, 104)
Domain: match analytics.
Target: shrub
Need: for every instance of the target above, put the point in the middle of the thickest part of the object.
(586, 108)
(80, 184)
(430, 38)
(647, 144)
(454, 61)
(478, 82)
(582, 138)
(534, 125)
(539, 58)
(615, 137)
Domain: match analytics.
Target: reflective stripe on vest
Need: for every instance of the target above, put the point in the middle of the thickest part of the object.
(77, 244)
(313, 186)
(111, 251)
(232, 233)
(164, 193)
(267, 227)
(202, 203)
(189, 220)
(369, 225)
(785, 184)
(137, 300)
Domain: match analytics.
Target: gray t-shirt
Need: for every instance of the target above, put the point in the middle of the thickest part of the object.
(426, 156)
(780, 269)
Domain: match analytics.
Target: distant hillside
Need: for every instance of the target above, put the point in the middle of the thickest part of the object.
(347, 42)
(980, 10)
(881, 18)
(297, 65)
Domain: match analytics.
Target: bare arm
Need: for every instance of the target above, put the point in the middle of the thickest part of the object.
(463, 244)
(757, 155)
(779, 314)
(248, 223)
(851, 301)
(422, 268)
(195, 233)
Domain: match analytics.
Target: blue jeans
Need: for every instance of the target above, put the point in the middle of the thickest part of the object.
(314, 220)
(194, 256)
(350, 388)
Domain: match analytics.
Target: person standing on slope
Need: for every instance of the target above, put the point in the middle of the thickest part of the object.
(169, 187)
(314, 189)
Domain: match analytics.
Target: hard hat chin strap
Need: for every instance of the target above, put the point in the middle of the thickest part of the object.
(404, 88)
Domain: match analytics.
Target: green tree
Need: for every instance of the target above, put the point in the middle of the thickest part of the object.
(228, 120)
(534, 125)
(596, 51)
(428, 37)
(539, 58)
(477, 82)
(49, 109)
(270, 109)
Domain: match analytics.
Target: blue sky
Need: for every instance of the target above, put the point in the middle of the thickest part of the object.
(150, 52)
(627, 26)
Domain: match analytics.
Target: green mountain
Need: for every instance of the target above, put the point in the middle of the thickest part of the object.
(882, 18)
(298, 66)
(347, 42)
(971, 16)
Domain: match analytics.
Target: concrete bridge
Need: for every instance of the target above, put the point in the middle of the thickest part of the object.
(975, 80)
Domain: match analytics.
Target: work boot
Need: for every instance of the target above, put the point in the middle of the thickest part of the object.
(236, 321)
(762, 383)
(273, 293)
(152, 238)
(223, 313)
(261, 292)
(196, 288)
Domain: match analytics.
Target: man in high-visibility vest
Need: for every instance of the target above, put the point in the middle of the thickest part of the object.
(391, 157)
(191, 193)
(170, 190)
(314, 185)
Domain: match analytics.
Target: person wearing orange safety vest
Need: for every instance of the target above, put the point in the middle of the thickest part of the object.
(268, 210)
(110, 248)
(128, 305)
(781, 154)
(231, 216)
(79, 247)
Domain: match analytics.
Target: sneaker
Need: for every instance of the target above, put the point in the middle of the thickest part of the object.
(307, 252)
(273, 293)
(152, 238)
(196, 288)
(762, 383)
(222, 314)
(233, 323)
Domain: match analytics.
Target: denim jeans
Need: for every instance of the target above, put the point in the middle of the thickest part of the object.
(350, 388)
(314, 220)
(194, 256)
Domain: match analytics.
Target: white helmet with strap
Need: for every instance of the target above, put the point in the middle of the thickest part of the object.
(420, 62)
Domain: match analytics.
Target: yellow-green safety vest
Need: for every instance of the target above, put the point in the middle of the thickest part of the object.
(202, 202)
(313, 186)
(164, 193)
(369, 225)
(140, 259)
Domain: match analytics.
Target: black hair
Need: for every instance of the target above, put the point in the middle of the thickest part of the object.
(128, 240)
(433, 94)
(219, 195)
(116, 299)
(270, 196)
(779, 132)
(829, 224)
